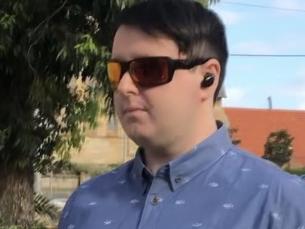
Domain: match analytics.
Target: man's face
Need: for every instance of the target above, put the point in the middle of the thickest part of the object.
(155, 116)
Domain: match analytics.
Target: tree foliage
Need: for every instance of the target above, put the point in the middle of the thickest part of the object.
(51, 69)
(278, 147)
(232, 132)
(44, 207)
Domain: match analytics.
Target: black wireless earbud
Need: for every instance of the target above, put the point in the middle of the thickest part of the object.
(207, 81)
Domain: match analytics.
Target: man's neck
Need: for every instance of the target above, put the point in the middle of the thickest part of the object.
(156, 157)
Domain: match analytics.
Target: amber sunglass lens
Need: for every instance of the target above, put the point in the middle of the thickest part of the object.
(114, 73)
(149, 72)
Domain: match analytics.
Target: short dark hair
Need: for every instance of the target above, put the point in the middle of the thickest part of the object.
(198, 32)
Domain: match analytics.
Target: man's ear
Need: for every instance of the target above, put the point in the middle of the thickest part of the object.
(213, 67)
(210, 72)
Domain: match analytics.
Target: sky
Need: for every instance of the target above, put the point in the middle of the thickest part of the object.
(262, 30)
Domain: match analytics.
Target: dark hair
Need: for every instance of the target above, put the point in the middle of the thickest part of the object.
(198, 32)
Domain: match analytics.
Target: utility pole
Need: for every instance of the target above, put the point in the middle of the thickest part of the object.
(270, 102)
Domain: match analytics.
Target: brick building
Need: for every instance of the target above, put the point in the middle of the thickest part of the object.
(254, 125)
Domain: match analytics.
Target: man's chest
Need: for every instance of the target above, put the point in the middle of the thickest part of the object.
(181, 210)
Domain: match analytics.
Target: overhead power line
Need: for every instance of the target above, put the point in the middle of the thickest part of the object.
(268, 55)
(262, 6)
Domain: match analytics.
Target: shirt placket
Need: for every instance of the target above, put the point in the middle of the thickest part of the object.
(153, 203)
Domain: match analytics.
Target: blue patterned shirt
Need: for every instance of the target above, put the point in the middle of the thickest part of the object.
(214, 186)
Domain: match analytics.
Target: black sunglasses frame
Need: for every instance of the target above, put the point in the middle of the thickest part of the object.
(172, 64)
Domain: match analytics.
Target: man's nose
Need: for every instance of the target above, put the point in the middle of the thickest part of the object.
(126, 85)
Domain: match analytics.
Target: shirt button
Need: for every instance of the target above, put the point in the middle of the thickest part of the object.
(178, 180)
(155, 200)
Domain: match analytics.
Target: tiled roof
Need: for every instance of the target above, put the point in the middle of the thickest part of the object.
(254, 126)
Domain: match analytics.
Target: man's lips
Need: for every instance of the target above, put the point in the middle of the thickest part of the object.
(132, 109)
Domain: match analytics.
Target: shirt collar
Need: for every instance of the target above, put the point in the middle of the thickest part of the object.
(138, 164)
(186, 167)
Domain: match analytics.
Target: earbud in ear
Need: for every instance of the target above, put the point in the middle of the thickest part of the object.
(207, 81)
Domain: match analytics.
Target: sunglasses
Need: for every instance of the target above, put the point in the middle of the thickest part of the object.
(148, 71)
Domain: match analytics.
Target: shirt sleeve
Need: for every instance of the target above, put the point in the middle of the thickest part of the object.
(290, 211)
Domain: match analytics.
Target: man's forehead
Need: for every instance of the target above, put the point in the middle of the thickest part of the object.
(131, 42)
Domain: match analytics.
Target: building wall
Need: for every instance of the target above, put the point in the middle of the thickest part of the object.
(107, 144)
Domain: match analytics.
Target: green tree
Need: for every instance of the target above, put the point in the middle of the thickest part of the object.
(52, 78)
(52, 68)
(278, 147)
(232, 132)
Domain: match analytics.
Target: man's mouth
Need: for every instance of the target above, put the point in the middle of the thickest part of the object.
(129, 110)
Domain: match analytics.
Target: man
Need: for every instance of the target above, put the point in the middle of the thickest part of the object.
(168, 63)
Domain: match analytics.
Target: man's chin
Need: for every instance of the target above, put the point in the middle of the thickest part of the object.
(138, 137)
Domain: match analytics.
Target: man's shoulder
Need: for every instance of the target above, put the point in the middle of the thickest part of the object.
(282, 194)
(104, 183)
(109, 178)
(264, 171)
(249, 161)
(96, 190)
